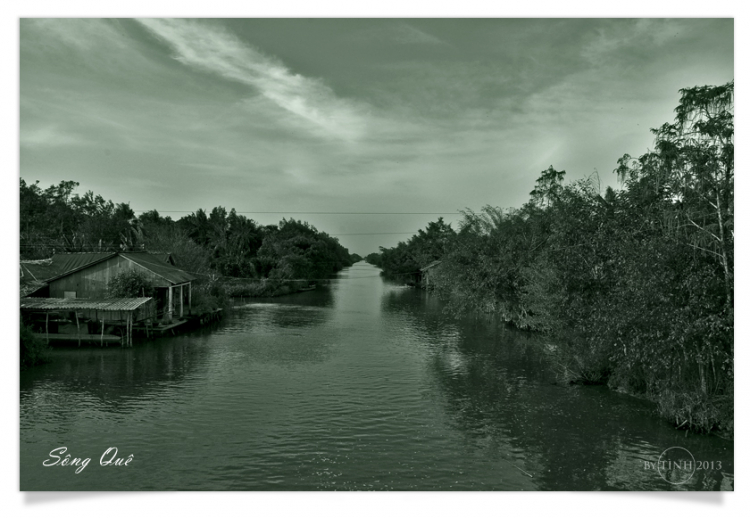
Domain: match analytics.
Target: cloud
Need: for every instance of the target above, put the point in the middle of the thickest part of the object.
(398, 32)
(626, 40)
(83, 34)
(48, 136)
(92, 45)
(214, 50)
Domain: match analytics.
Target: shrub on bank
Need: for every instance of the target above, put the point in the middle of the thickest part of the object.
(579, 365)
(642, 276)
(698, 411)
(209, 295)
(262, 287)
(34, 351)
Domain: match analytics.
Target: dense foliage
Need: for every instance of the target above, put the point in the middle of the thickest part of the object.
(55, 219)
(635, 284)
(374, 259)
(216, 245)
(420, 250)
(33, 349)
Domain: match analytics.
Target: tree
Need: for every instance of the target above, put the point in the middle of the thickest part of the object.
(692, 167)
(421, 249)
(548, 187)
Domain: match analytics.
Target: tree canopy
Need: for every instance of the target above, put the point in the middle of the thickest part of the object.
(636, 284)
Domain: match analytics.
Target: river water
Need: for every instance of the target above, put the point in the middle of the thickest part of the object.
(358, 385)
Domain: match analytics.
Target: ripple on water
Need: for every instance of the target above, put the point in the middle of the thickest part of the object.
(359, 385)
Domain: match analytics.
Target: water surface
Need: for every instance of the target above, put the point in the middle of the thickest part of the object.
(358, 385)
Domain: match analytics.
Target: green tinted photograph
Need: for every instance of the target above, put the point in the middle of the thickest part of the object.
(376, 254)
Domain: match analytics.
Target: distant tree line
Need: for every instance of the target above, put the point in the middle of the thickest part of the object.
(636, 284)
(421, 249)
(218, 243)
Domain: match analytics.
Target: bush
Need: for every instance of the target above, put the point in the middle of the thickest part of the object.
(576, 362)
(203, 302)
(130, 283)
(698, 411)
(209, 296)
(33, 350)
(263, 288)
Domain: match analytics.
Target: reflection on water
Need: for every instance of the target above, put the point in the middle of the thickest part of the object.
(361, 384)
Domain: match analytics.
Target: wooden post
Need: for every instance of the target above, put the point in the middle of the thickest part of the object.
(190, 298)
(101, 343)
(78, 326)
(169, 305)
(46, 325)
(181, 301)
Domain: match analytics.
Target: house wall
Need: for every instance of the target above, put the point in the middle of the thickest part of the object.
(92, 282)
(428, 276)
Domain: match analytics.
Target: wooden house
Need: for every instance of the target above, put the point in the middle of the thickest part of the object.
(87, 276)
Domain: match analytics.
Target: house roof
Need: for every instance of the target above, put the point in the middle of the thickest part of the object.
(28, 288)
(35, 274)
(37, 271)
(70, 262)
(157, 263)
(431, 265)
(164, 257)
(60, 265)
(110, 304)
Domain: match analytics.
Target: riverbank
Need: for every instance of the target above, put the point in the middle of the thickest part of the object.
(579, 359)
(363, 385)
(643, 285)
(264, 287)
(687, 407)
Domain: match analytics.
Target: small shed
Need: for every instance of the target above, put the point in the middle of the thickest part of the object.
(428, 271)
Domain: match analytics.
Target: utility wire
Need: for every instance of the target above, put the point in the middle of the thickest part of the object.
(255, 279)
(332, 235)
(308, 212)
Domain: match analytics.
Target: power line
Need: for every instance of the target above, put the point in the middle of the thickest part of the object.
(375, 234)
(308, 212)
(53, 245)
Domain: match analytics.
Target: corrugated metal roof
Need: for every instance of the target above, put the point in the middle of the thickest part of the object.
(68, 262)
(59, 264)
(63, 264)
(159, 266)
(164, 257)
(27, 288)
(111, 304)
(38, 270)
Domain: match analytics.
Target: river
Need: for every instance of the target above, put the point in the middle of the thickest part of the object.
(359, 385)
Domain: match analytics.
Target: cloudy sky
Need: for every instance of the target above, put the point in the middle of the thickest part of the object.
(368, 115)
